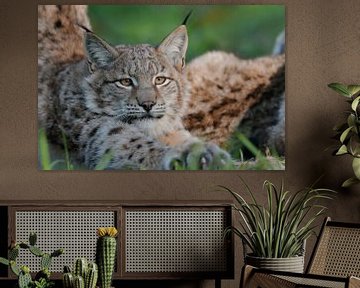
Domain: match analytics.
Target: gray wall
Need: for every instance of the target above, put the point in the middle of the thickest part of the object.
(323, 46)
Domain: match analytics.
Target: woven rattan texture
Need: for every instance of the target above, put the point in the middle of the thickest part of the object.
(75, 231)
(175, 241)
(338, 253)
(267, 280)
(304, 282)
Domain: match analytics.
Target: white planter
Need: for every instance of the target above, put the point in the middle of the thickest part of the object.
(291, 264)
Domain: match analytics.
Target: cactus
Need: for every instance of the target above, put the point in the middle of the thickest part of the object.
(105, 254)
(79, 282)
(87, 272)
(44, 273)
(68, 280)
(24, 278)
(24, 245)
(67, 269)
(13, 253)
(32, 239)
(45, 261)
(36, 251)
(80, 267)
(91, 276)
(14, 268)
(57, 252)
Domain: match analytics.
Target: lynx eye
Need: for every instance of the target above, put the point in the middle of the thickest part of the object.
(160, 80)
(126, 82)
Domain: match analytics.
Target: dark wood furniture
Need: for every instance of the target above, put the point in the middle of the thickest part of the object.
(157, 240)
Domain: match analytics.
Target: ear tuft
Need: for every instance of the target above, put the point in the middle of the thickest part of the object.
(174, 47)
(99, 52)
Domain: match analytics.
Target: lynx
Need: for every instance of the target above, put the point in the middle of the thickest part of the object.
(139, 103)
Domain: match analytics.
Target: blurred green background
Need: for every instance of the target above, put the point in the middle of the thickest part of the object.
(246, 30)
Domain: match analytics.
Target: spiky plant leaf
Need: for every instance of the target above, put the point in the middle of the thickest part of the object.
(349, 182)
(280, 228)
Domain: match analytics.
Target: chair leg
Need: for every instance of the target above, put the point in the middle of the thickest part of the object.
(354, 282)
(250, 278)
(246, 273)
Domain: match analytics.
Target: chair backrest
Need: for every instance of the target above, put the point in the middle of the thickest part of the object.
(337, 251)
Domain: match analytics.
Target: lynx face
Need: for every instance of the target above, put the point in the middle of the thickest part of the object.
(135, 83)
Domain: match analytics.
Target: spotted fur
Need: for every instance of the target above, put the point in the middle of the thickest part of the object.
(124, 100)
(230, 94)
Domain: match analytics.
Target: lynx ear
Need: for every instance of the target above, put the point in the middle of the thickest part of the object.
(100, 53)
(174, 46)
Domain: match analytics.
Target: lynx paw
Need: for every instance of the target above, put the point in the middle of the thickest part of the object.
(198, 156)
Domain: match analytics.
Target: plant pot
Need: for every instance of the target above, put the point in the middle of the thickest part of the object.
(291, 264)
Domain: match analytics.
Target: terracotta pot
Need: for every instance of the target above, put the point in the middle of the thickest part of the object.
(291, 264)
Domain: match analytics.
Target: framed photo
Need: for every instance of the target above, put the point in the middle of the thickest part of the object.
(161, 87)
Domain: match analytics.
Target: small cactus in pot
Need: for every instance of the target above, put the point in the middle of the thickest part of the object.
(85, 275)
(106, 254)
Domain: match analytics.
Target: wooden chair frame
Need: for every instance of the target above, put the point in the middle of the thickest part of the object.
(255, 277)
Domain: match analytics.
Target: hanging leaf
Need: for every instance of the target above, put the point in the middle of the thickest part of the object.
(342, 150)
(355, 103)
(4, 261)
(345, 134)
(340, 88)
(349, 182)
(353, 89)
(340, 127)
(351, 120)
(354, 145)
(356, 167)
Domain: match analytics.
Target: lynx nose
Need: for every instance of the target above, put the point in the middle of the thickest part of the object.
(147, 105)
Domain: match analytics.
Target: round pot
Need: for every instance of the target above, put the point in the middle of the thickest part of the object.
(291, 264)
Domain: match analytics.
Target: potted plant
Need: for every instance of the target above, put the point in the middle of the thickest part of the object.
(349, 132)
(42, 278)
(276, 233)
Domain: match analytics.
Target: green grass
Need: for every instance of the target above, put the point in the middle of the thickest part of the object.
(55, 160)
(45, 154)
(246, 30)
(239, 144)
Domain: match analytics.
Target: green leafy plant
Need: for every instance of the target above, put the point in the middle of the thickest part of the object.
(279, 229)
(42, 278)
(43, 283)
(349, 132)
